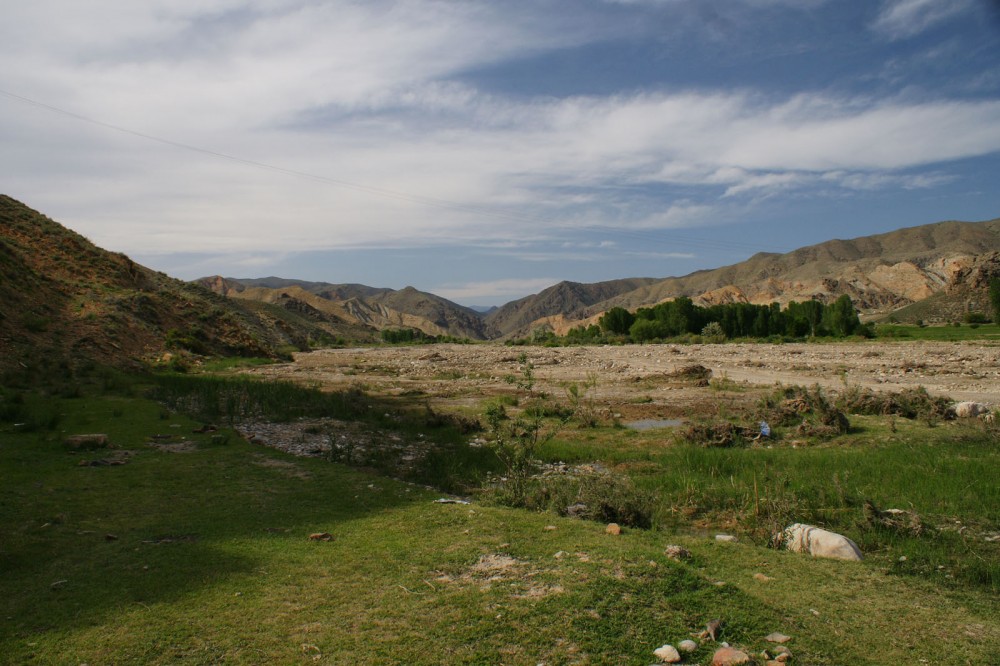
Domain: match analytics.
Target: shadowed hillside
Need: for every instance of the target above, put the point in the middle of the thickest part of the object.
(64, 300)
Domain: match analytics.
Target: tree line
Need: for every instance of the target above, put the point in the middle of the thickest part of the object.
(681, 317)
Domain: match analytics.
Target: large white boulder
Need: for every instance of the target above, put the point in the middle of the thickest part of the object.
(818, 542)
(969, 410)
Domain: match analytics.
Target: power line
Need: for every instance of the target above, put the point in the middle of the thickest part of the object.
(382, 192)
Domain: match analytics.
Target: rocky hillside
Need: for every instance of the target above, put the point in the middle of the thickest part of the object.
(65, 300)
(356, 305)
(557, 302)
(882, 274)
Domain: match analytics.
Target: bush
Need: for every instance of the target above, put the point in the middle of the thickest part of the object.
(602, 497)
(909, 403)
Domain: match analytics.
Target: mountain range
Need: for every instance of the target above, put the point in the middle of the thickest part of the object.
(62, 297)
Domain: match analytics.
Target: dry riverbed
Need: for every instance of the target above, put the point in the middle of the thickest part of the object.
(643, 381)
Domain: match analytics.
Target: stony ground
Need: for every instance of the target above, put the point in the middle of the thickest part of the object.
(643, 381)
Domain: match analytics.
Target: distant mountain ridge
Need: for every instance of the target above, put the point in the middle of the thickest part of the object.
(359, 305)
(881, 273)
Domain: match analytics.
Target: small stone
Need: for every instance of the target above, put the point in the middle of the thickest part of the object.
(777, 637)
(726, 538)
(561, 554)
(111, 537)
(762, 577)
(728, 656)
(668, 654)
(321, 536)
(550, 528)
(688, 645)
(613, 528)
(782, 654)
(678, 553)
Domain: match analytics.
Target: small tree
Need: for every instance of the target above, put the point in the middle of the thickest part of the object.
(616, 321)
(713, 333)
(515, 440)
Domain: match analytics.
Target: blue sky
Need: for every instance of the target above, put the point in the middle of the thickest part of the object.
(486, 150)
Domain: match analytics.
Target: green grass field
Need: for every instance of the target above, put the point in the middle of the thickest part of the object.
(202, 555)
(942, 333)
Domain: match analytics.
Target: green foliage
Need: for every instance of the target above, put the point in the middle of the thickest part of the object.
(515, 440)
(680, 320)
(616, 321)
(234, 399)
(602, 497)
(713, 333)
(976, 318)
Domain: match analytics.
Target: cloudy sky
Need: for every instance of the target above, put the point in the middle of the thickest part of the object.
(484, 150)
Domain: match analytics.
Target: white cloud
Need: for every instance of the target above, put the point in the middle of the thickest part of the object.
(900, 19)
(367, 96)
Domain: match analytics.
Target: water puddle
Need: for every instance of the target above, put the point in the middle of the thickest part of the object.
(653, 424)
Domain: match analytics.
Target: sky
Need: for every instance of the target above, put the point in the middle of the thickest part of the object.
(484, 150)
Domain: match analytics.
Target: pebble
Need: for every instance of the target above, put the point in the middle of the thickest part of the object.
(675, 552)
(613, 529)
(688, 645)
(777, 637)
(727, 538)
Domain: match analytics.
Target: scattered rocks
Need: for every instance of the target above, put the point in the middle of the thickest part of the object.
(729, 656)
(818, 542)
(678, 553)
(668, 654)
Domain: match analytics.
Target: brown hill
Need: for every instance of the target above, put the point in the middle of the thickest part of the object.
(566, 298)
(357, 305)
(881, 273)
(63, 300)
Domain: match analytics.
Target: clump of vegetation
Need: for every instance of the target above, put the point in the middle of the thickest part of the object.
(515, 440)
(808, 409)
(910, 403)
(598, 496)
(722, 435)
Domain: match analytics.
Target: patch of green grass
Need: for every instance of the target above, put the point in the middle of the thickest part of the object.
(942, 332)
(221, 364)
